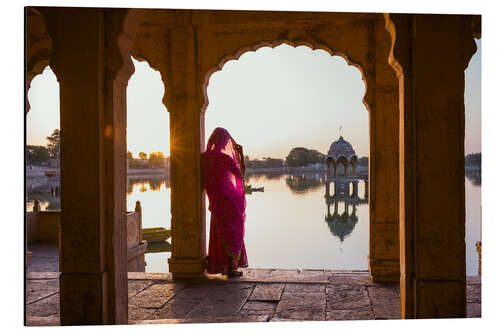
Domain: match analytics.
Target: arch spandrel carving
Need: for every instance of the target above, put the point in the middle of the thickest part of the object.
(38, 47)
(354, 54)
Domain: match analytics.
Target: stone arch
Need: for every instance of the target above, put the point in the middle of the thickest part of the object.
(307, 41)
(329, 163)
(38, 48)
(342, 160)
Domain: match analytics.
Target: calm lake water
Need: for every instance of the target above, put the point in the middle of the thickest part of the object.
(288, 225)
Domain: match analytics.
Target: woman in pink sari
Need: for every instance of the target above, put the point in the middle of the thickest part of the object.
(223, 174)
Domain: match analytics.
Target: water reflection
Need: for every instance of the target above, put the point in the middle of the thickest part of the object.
(345, 193)
(149, 182)
(303, 183)
(292, 208)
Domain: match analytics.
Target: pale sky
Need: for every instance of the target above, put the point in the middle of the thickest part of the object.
(271, 101)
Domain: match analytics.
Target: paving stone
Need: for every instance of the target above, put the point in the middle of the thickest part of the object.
(385, 302)
(156, 295)
(354, 314)
(285, 275)
(267, 292)
(301, 306)
(223, 301)
(42, 275)
(258, 308)
(134, 287)
(304, 288)
(185, 301)
(342, 279)
(226, 319)
(473, 310)
(234, 301)
(139, 313)
(38, 289)
(277, 319)
(474, 293)
(43, 321)
(346, 297)
(45, 307)
(150, 276)
(382, 292)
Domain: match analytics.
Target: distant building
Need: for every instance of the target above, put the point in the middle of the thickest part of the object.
(341, 155)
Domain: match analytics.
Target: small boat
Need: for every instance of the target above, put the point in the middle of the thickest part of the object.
(157, 234)
(159, 247)
(250, 189)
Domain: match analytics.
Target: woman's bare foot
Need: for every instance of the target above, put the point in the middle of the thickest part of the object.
(234, 274)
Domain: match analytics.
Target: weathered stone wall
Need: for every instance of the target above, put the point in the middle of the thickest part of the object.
(430, 54)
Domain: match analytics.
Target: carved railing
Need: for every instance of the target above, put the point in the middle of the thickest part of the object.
(45, 227)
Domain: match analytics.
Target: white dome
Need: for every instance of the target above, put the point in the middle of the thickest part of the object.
(341, 148)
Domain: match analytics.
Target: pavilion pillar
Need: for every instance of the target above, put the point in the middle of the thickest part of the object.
(383, 164)
(186, 144)
(355, 188)
(429, 55)
(90, 63)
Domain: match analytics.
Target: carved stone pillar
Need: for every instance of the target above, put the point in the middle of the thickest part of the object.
(384, 189)
(429, 55)
(89, 58)
(186, 144)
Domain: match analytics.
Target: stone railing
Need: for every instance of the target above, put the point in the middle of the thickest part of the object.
(44, 227)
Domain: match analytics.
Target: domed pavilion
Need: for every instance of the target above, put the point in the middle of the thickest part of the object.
(341, 163)
(341, 153)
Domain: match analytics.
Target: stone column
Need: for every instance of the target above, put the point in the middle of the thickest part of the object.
(327, 189)
(355, 188)
(89, 59)
(186, 143)
(383, 168)
(430, 54)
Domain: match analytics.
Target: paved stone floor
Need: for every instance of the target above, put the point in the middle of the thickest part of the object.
(260, 295)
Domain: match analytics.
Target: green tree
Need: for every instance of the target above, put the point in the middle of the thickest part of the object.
(156, 159)
(143, 155)
(300, 156)
(37, 154)
(54, 143)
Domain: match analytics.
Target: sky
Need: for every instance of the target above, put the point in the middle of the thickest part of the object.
(270, 100)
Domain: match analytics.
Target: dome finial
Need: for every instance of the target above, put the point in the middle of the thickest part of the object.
(340, 132)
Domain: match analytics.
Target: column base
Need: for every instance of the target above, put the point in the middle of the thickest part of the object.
(384, 271)
(187, 268)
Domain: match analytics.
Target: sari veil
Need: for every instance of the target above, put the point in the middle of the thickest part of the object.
(222, 178)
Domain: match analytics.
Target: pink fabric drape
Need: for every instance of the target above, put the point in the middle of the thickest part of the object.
(226, 196)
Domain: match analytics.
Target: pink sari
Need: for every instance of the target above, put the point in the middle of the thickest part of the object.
(226, 195)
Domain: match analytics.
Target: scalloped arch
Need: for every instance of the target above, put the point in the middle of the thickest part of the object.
(38, 48)
(273, 44)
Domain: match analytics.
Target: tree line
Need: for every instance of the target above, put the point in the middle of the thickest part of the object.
(297, 157)
(39, 155)
(154, 160)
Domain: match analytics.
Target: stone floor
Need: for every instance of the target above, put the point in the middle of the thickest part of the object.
(260, 295)
(44, 258)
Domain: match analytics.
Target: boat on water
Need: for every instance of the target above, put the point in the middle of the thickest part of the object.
(157, 234)
(249, 189)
